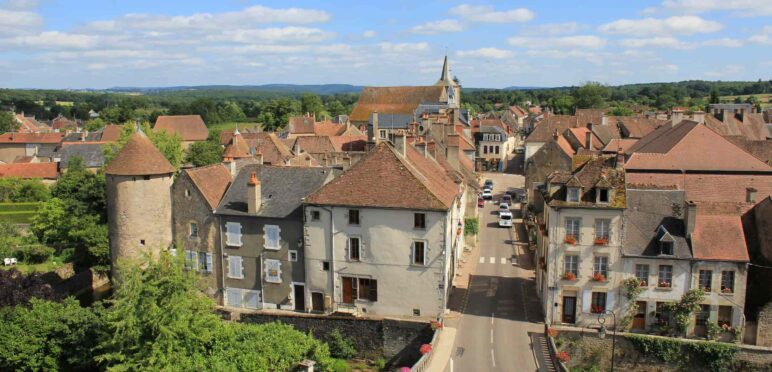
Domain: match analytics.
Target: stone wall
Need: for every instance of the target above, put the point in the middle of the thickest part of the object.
(764, 326)
(397, 341)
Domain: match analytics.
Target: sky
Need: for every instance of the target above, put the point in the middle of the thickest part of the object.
(73, 44)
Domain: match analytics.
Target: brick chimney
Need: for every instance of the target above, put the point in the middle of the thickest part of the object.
(676, 116)
(690, 217)
(254, 191)
(588, 137)
(451, 151)
(400, 143)
(620, 159)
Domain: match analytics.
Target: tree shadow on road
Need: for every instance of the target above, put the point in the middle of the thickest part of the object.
(512, 298)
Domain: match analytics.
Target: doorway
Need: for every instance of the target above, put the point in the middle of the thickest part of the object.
(639, 320)
(569, 309)
(317, 302)
(300, 297)
(349, 286)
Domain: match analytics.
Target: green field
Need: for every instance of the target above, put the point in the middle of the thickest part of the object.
(230, 126)
(765, 99)
(18, 213)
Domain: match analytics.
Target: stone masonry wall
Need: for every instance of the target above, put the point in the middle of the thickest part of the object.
(764, 326)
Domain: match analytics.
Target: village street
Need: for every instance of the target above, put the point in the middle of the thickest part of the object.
(500, 308)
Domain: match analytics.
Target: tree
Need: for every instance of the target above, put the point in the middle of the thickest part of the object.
(19, 288)
(81, 190)
(19, 190)
(49, 336)
(230, 111)
(311, 103)
(94, 125)
(204, 153)
(8, 122)
(714, 96)
(591, 95)
(683, 309)
(336, 108)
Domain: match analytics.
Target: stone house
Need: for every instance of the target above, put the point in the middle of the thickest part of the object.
(546, 130)
(382, 238)
(13, 144)
(190, 128)
(493, 146)
(555, 155)
(757, 225)
(578, 253)
(261, 235)
(195, 195)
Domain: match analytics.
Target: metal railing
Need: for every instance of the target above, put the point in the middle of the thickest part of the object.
(423, 363)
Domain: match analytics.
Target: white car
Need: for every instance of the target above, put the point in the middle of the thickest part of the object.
(505, 219)
(503, 208)
(487, 194)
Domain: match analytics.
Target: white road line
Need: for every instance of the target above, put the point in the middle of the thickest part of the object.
(503, 260)
(482, 259)
(493, 259)
(493, 359)
(492, 314)
(451, 364)
(491, 335)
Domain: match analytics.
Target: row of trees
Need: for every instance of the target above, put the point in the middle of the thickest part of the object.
(158, 319)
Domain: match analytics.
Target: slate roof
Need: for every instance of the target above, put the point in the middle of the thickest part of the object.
(29, 170)
(394, 100)
(83, 137)
(392, 121)
(15, 137)
(648, 210)
(282, 189)
(189, 127)
(91, 153)
(690, 146)
(211, 181)
(139, 157)
(385, 179)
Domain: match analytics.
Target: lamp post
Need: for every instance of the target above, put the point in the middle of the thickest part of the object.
(602, 332)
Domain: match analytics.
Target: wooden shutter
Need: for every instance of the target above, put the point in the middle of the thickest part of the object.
(209, 262)
(426, 253)
(586, 300)
(610, 301)
(373, 290)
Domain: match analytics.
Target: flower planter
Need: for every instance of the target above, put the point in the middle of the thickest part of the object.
(665, 285)
(569, 276)
(570, 239)
(598, 277)
(600, 241)
(643, 283)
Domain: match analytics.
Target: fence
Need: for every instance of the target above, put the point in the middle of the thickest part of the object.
(422, 363)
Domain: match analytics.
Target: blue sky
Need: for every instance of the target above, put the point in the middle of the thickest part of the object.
(100, 44)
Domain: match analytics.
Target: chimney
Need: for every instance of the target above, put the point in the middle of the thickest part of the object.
(231, 165)
(254, 197)
(555, 134)
(588, 137)
(296, 148)
(451, 152)
(376, 135)
(690, 217)
(310, 161)
(421, 146)
(400, 143)
(604, 119)
(676, 116)
(740, 114)
(724, 115)
(620, 159)
(699, 116)
(258, 157)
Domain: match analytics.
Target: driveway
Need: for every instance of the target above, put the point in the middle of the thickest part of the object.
(501, 309)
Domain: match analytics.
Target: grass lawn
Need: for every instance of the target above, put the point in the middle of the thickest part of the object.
(52, 264)
(231, 126)
(18, 213)
(765, 99)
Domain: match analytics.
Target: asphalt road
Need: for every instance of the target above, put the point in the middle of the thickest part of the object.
(501, 308)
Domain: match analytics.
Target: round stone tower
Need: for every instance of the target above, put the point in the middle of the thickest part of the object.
(139, 203)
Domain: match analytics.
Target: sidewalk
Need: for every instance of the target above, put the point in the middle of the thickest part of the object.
(442, 350)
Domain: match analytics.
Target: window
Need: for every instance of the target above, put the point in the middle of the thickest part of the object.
(235, 267)
(496, 148)
(204, 262)
(293, 256)
(706, 277)
(602, 195)
(573, 194)
(190, 259)
(663, 317)
(485, 149)
(419, 253)
(572, 227)
(725, 315)
(361, 288)
(727, 281)
(642, 274)
(326, 265)
(142, 242)
(750, 195)
(272, 271)
(353, 217)
(665, 276)
(233, 234)
(666, 248)
(187, 193)
(602, 227)
(233, 297)
(382, 133)
(314, 215)
(251, 299)
(271, 237)
(598, 304)
(571, 264)
(193, 227)
(703, 316)
(600, 267)
(419, 220)
(354, 248)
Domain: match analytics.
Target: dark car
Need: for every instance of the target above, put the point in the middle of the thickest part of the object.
(488, 183)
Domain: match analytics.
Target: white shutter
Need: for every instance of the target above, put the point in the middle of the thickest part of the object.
(610, 301)
(233, 297)
(209, 262)
(426, 254)
(586, 300)
(362, 250)
(347, 254)
(252, 299)
(235, 267)
(412, 253)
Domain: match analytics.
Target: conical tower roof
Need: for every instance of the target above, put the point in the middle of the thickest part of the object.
(238, 148)
(445, 78)
(139, 157)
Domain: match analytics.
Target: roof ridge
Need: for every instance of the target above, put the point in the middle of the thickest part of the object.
(413, 169)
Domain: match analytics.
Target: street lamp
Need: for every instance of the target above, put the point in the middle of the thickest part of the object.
(602, 332)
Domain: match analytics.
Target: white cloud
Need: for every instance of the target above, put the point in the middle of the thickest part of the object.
(764, 37)
(494, 53)
(649, 10)
(368, 34)
(555, 28)
(728, 72)
(291, 34)
(656, 42)
(724, 42)
(488, 14)
(403, 47)
(749, 8)
(665, 67)
(52, 40)
(19, 4)
(438, 27)
(576, 41)
(679, 25)
(14, 22)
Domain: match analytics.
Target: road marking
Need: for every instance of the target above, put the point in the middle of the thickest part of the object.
(491, 335)
(492, 318)
(451, 364)
(503, 260)
(493, 359)
(482, 259)
(493, 259)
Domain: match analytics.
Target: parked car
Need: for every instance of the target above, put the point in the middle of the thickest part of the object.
(505, 219)
(520, 150)
(480, 202)
(488, 183)
(503, 208)
(487, 194)
(506, 198)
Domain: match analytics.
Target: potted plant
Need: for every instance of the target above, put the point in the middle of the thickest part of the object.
(436, 325)
(563, 356)
(570, 239)
(598, 277)
(426, 348)
(664, 284)
(726, 290)
(601, 241)
(643, 283)
(595, 309)
(569, 276)
(552, 332)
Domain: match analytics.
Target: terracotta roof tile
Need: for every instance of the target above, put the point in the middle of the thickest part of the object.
(273, 150)
(313, 144)
(394, 100)
(111, 133)
(15, 137)
(29, 170)
(237, 148)
(719, 237)
(349, 143)
(586, 116)
(189, 127)
(139, 157)
(301, 124)
(211, 181)
(565, 146)
(615, 144)
(303, 160)
(637, 127)
(580, 134)
(382, 178)
(545, 129)
(752, 126)
(328, 128)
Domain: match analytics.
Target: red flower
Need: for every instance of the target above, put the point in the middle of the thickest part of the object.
(426, 348)
(569, 276)
(601, 241)
(598, 277)
(563, 357)
(552, 332)
(597, 309)
(570, 239)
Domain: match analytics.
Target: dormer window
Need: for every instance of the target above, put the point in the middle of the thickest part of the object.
(665, 241)
(573, 194)
(666, 248)
(603, 195)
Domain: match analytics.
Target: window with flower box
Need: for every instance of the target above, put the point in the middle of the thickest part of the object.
(600, 268)
(598, 304)
(727, 282)
(572, 229)
(602, 230)
(642, 274)
(665, 277)
(571, 267)
(706, 277)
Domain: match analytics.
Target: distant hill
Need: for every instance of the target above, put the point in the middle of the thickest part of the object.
(271, 88)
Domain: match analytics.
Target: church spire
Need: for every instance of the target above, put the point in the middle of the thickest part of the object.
(445, 77)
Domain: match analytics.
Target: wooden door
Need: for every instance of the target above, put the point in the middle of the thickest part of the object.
(348, 290)
(569, 309)
(317, 301)
(639, 320)
(300, 297)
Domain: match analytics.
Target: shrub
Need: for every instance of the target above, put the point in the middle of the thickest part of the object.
(340, 346)
(18, 288)
(471, 226)
(380, 364)
(338, 365)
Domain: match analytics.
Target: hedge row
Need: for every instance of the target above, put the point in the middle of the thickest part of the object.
(715, 356)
